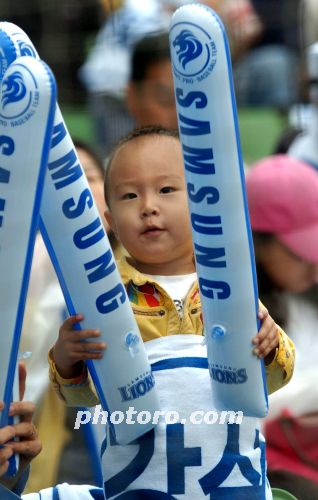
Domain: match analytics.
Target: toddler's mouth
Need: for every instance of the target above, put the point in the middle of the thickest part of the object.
(152, 230)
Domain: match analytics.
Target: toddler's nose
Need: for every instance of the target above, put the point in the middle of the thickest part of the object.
(149, 207)
(148, 211)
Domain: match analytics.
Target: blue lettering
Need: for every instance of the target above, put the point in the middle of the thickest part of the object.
(104, 267)
(123, 393)
(2, 205)
(209, 255)
(230, 377)
(150, 382)
(211, 193)
(207, 288)
(4, 176)
(141, 388)
(242, 376)
(7, 145)
(136, 390)
(218, 375)
(199, 98)
(178, 458)
(211, 482)
(71, 210)
(109, 301)
(195, 158)
(84, 237)
(133, 392)
(7, 148)
(58, 134)
(206, 224)
(194, 127)
(138, 464)
(70, 170)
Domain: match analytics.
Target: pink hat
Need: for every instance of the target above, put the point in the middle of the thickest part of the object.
(282, 195)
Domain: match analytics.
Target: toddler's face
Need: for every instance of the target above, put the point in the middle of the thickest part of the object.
(148, 205)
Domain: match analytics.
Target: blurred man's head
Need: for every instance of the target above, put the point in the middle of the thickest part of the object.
(150, 92)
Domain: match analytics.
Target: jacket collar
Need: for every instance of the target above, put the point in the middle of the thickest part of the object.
(129, 273)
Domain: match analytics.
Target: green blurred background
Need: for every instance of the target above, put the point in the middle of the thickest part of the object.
(259, 129)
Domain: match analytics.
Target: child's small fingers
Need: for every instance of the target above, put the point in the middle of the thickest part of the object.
(261, 349)
(266, 346)
(262, 313)
(268, 325)
(262, 310)
(84, 356)
(81, 347)
(70, 322)
(93, 355)
(78, 335)
(265, 333)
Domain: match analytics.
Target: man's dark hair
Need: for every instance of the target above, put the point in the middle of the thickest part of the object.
(145, 131)
(149, 51)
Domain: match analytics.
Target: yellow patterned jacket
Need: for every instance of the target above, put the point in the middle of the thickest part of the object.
(156, 316)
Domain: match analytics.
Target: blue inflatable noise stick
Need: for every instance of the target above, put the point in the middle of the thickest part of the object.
(84, 263)
(27, 108)
(224, 255)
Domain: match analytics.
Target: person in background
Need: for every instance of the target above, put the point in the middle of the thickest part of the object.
(282, 197)
(266, 66)
(106, 71)
(150, 91)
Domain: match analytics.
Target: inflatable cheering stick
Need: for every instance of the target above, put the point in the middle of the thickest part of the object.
(27, 107)
(83, 260)
(220, 225)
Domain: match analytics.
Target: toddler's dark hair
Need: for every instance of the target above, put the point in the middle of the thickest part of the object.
(145, 131)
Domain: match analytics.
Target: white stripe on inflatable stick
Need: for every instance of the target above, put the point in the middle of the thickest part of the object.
(90, 281)
(222, 240)
(27, 106)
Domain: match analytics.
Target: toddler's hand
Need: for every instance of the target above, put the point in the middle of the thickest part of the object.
(267, 338)
(71, 350)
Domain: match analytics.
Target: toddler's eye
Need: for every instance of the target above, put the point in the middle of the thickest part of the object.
(167, 189)
(129, 196)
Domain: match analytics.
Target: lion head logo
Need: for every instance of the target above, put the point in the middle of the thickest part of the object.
(13, 88)
(26, 49)
(187, 46)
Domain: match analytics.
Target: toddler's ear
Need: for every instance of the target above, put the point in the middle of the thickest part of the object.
(109, 220)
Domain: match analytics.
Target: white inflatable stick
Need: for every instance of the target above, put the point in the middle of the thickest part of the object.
(91, 284)
(223, 248)
(27, 106)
